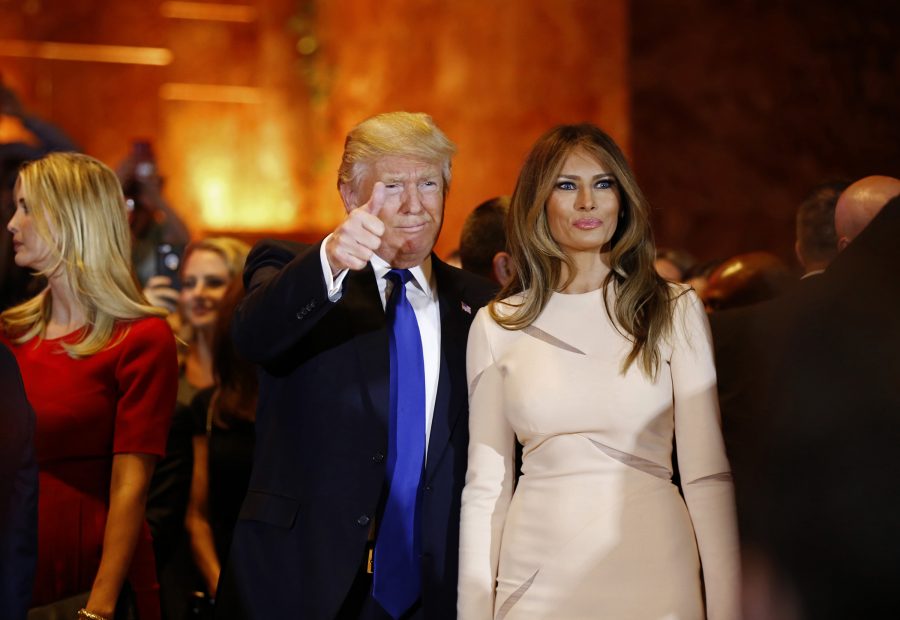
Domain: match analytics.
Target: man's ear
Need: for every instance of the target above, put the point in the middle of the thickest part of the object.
(799, 254)
(348, 196)
(503, 268)
(843, 242)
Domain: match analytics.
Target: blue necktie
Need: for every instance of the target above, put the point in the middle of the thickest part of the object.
(398, 581)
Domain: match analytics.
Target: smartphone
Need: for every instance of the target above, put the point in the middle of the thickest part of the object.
(168, 262)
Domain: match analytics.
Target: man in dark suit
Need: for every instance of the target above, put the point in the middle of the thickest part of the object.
(817, 490)
(18, 492)
(318, 535)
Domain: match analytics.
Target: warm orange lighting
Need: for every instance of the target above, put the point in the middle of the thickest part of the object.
(231, 201)
(239, 179)
(212, 93)
(50, 50)
(209, 11)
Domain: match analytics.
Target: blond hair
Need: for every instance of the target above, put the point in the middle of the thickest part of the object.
(642, 306)
(78, 209)
(233, 252)
(402, 134)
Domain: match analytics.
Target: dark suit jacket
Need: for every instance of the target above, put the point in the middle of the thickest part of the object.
(818, 494)
(318, 479)
(810, 403)
(18, 492)
(832, 331)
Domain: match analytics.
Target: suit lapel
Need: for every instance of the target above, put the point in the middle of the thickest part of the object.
(362, 304)
(451, 394)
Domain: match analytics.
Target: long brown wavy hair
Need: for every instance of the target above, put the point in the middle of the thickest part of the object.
(643, 300)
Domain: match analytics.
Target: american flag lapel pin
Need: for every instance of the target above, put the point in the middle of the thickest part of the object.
(466, 308)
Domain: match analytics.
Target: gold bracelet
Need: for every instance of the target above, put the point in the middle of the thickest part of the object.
(89, 615)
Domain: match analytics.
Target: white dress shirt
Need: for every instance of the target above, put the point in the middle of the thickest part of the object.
(421, 291)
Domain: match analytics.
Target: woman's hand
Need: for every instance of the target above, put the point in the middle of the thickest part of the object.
(159, 293)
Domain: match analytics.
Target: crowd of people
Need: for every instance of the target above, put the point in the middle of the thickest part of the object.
(357, 429)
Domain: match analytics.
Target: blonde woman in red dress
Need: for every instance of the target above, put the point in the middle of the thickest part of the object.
(100, 370)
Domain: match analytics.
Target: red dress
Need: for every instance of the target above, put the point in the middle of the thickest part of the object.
(119, 400)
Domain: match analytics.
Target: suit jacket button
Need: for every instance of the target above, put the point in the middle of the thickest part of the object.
(363, 521)
(378, 457)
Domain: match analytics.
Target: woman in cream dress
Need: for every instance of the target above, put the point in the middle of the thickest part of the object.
(599, 368)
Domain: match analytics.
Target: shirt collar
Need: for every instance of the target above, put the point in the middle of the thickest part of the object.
(421, 273)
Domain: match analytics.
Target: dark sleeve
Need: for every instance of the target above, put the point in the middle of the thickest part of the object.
(286, 297)
(170, 486)
(51, 137)
(147, 373)
(199, 411)
(18, 492)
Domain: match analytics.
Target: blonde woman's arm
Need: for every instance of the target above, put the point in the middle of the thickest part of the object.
(128, 487)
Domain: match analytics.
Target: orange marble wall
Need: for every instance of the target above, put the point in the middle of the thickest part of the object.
(249, 112)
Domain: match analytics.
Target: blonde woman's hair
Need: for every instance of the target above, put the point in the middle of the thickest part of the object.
(643, 301)
(77, 207)
(233, 252)
(402, 134)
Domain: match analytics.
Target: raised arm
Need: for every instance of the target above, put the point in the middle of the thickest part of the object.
(705, 472)
(290, 286)
(286, 296)
(489, 479)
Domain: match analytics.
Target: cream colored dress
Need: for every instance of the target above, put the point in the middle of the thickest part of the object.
(595, 528)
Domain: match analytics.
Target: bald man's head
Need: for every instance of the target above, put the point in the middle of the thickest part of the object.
(860, 203)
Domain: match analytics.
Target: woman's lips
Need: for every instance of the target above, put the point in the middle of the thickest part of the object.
(588, 223)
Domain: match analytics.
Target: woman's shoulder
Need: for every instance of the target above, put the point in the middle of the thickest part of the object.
(688, 313)
(146, 326)
(148, 331)
(498, 309)
(683, 298)
(506, 306)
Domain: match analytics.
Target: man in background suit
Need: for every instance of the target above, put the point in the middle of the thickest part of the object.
(859, 204)
(482, 242)
(311, 542)
(816, 239)
(18, 492)
(817, 490)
